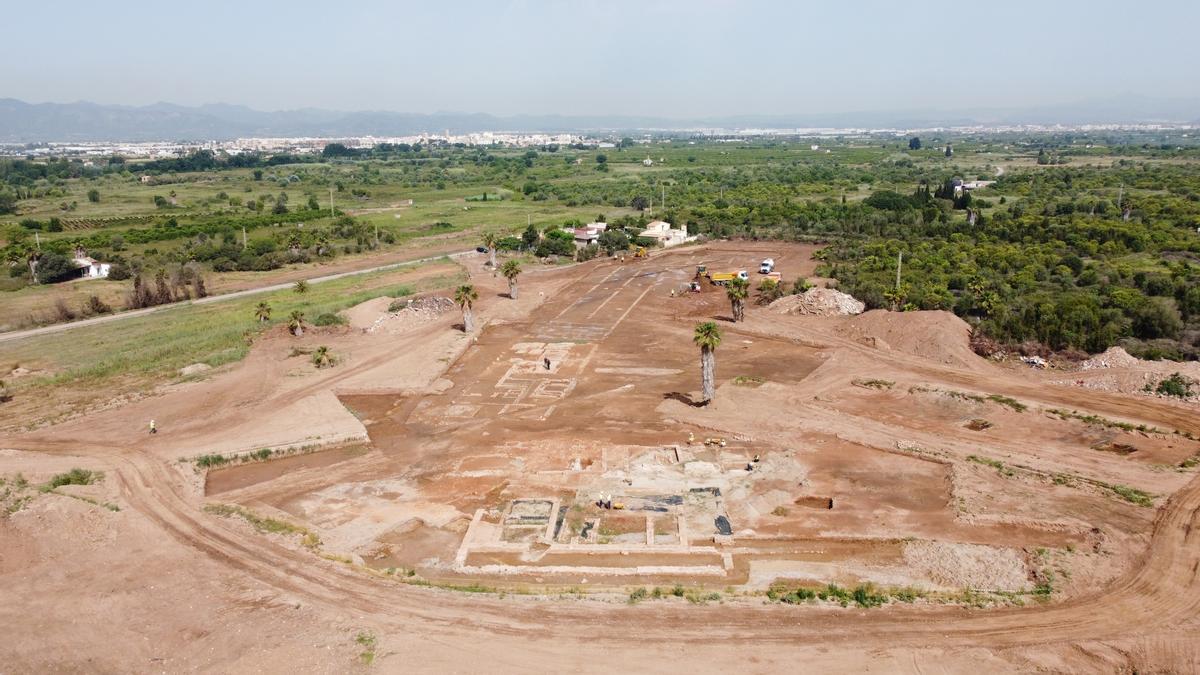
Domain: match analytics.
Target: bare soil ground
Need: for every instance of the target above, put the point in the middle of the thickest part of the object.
(459, 516)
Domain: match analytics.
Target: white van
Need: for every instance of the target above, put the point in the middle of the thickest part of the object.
(767, 266)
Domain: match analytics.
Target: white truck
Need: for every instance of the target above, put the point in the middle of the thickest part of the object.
(767, 266)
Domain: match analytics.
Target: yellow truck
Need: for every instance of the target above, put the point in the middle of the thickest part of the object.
(722, 278)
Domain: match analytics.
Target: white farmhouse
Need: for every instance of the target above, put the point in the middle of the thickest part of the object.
(589, 234)
(661, 231)
(89, 267)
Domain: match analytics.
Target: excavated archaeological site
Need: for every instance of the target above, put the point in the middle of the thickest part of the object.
(548, 493)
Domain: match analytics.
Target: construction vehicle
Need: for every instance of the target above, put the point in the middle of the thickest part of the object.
(767, 266)
(722, 278)
(640, 253)
(701, 271)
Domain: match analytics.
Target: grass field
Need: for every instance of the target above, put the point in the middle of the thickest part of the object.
(135, 353)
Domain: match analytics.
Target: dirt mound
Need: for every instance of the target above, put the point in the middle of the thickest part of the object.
(410, 313)
(1118, 371)
(936, 335)
(1113, 357)
(365, 314)
(818, 302)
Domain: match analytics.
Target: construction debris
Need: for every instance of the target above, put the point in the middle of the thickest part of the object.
(411, 313)
(819, 302)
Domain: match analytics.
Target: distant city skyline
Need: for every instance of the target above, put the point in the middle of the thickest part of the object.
(662, 58)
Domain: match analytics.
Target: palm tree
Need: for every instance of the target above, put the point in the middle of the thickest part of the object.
(27, 254)
(301, 287)
(465, 297)
(737, 290)
(296, 323)
(707, 337)
(489, 240)
(262, 312)
(511, 270)
(321, 358)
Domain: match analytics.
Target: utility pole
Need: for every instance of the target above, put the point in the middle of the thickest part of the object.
(1120, 196)
(376, 235)
(243, 236)
(330, 201)
(899, 262)
(38, 240)
(664, 197)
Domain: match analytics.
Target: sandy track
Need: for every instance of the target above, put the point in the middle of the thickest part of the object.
(1162, 591)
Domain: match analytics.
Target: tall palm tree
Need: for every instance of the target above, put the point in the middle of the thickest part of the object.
(737, 290)
(262, 312)
(465, 297)
(489, 240)
(296, 323)
(707, 337)
(511, 270)
(24, 253)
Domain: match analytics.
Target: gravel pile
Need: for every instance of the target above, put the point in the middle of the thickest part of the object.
(819, 302)
(1113, 357)
(413, 313)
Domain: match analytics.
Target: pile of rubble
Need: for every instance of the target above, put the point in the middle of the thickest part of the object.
(819, 302)
(1113, 357)
(403, 315)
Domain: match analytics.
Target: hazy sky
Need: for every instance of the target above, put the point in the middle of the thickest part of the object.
(654, 57)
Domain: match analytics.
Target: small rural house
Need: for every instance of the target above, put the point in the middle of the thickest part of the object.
(589, 234)
(661, 231)
(89, 267)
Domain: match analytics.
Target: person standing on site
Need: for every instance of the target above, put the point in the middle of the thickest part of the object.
(153, 427)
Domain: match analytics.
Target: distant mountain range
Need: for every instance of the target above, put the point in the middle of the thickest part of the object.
(22, 122)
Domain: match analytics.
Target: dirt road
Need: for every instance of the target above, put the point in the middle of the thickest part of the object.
(60, 327)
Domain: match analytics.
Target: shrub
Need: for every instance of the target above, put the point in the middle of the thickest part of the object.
(211, 460)
(74, 477)
(120, 272)
(329, 319)
(1176, 385)
(62, 312)
(587, 253)
(95, 305)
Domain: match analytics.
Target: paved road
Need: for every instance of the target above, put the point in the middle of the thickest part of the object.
(59, 327)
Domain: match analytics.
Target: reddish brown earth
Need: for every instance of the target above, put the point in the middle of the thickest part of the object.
(432, 428)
